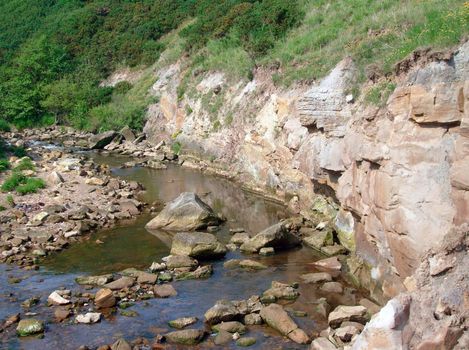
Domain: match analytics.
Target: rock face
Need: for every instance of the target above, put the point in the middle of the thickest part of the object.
(375, 160)
(100, 141)
(276, 236)
(276, 317)
(185, 213)
(197, 245)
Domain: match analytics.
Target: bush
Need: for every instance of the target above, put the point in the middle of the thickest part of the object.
(10, 200)
(4, 126)
(176, 147)
(31, 186)
(13, 182)
(4, 165)
(25, 164)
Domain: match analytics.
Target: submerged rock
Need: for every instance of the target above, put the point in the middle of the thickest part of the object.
(94, 280)
(276, 236)
(197, 245)
(186, 336)
(277, 318)
(182, 322)
(185, 213)
(29, 327)
(164, 291)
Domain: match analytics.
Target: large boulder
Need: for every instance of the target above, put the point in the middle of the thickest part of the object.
(276, 236)
(223, 311)
(186, 336)
(100, 141)
(128, 134)
(344, 313)
(277, 318)
(29, 327)
(197, 245)
(185, 213)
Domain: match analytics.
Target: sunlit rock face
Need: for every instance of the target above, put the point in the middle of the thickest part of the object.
(399, 172)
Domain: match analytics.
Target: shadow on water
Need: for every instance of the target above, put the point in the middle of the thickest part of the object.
(132, 245)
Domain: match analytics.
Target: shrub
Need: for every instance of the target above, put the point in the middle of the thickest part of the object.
(176, 147)
(19, 152)
(122, 87)
(4, 126)
(10, 200)
(25, 164)
(13, 182)
(4, 165)
(31, 185)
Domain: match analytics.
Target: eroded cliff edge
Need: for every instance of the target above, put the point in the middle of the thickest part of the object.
(398, 173)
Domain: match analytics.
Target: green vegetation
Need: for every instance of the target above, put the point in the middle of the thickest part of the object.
(31, 185)
(10, 200)
(54, 54)
(12, 182)
(22, 184)
(176, 147)
(379, 94)
(4, 165)
(25, 164)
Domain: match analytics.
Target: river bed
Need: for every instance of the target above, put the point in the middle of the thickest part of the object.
(131, 245)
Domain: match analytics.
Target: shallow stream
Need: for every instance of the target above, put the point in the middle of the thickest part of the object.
(131, 245)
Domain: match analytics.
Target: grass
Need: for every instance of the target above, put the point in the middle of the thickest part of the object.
(4, 165)
(176, 147)
(4, 126)
(25, 164)
(22, 184)
(378, 32)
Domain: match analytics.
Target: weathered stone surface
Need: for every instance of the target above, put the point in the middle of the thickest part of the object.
(183, 322)
(164, 291)
(177, 261)
(90, 317)
(28, 327)
(186, 336)
(251, 264)
(56, 299)
(141, 276)
(316, 277)
(322, 344)
(128, 134)
(246, 341)
(332, 265)
(280, 291)
(347, 313)
(104, 298)
(276, 317)
(197, 245)
(99, 141)
(231, 327)
(276, 236)
(252, 319)
(94, 280)
(332, 287)
(222, 311)
(121, 283)
(121, 344)
(185, 213)
(223, 337)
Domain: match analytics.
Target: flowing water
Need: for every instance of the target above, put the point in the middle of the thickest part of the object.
(131, 245)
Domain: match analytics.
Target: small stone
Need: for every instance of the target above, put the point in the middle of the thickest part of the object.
(186, 336)
(267, 251)
(94, 280)
(155, 267)
(252, 319)
(164, 291)
(231, 264)
(56, 299)
(223, 337)
(332, 287)
(29, 327)
(165, 277)
(251, 264)
(182, 322)
(231, 327)
(88, 318)
(104, 298)
(121, 283)
(316, 277)
(246, 341)
(61, 314)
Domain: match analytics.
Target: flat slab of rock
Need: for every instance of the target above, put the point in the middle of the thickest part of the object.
(197, 245)
(347, 313)
(316, 277)
(164, 291)
(178, 261)
(141, 276)
(100, 141)
(121, 283)
(277, 318)
(276, 236)
(331, 265)
(183, 322)
(186, 336)
(251, 265)
(94, 280)
(185, 213)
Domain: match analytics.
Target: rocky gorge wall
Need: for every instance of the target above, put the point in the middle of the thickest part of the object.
(397, 176)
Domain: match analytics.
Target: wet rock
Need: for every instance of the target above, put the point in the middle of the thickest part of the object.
(94, 280)
(56, 299)
(165, 277)
(276, 236)
(318, 239)
(332, 250)
(185, 213)
(141, 276)
(231, 327)
(29, 327)
(121, 283)
(322, 344)
(278, 291)
(267, 251)
(28, 303)
(231, 264)
(331, 265)
(177, 261)
(61, 314)
(11, 320)
(186, 336)
(240, 238)
(316, 277)
(332, 287)
(121, 344)
(347, 313)
(252, 319)
(183, 322)
(222, 311)
(252, 265)
(104, 299)
(164, 291)
(197, 245)
(223, 337)
(88, 318)
(246, 341)
(100, 141)
(155, 267)
(201, 272)
(277, 318)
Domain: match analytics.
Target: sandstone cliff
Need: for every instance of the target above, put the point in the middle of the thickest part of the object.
(398, 173)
